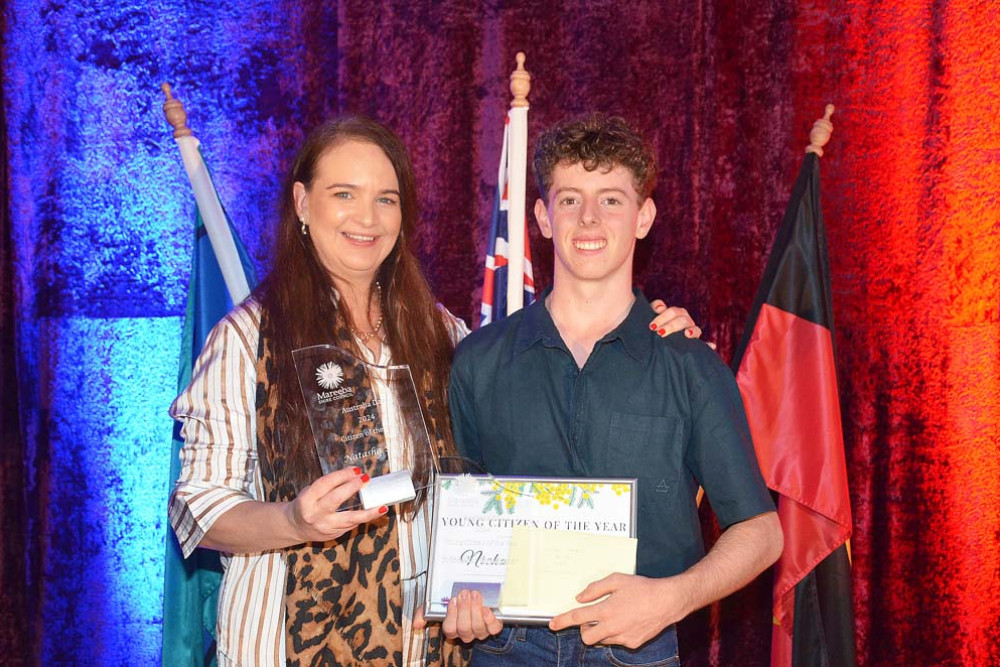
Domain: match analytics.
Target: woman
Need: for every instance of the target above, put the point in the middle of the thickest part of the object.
(304, 581)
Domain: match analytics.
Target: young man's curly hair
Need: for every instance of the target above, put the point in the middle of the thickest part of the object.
(596, 141)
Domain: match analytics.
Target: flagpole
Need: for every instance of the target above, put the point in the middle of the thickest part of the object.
(820, 133)
(520, 86)
(212, 215)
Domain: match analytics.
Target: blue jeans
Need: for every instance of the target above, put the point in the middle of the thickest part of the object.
(521, 645)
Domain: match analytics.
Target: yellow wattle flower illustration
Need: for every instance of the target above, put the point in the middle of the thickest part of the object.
(503, 496)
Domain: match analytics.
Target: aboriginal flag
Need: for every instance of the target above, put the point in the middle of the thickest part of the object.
(786, 371)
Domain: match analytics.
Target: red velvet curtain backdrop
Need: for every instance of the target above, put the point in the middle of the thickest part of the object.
(728, 92)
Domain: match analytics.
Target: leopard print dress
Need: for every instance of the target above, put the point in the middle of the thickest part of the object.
(343, 599)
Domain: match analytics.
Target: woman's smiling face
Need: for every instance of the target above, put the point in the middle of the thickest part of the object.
(352, 209)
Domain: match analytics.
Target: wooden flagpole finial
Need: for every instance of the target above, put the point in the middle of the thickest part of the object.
(820, 134)
(174, 111)
(520, 83)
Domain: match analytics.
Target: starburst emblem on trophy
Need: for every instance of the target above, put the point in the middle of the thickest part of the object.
(329, 375)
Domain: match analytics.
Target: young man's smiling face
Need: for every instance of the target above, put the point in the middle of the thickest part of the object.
(594, 219)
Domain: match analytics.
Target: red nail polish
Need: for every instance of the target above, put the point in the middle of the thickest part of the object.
(383, 509)
(689, 332)
(357, 470)
(662, 332)
(365, 478)
(652, 326)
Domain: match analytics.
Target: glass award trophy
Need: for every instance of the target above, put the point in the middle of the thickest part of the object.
(366, 416)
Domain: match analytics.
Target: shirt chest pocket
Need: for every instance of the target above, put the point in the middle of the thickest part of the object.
(648, 447)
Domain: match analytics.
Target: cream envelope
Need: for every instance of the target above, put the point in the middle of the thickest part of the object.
(547, 569)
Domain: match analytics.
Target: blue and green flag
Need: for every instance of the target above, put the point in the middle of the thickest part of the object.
(191, 586)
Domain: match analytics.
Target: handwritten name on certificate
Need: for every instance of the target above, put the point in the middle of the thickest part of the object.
(474, 518)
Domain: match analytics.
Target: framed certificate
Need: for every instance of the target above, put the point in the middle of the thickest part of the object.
(477, 519)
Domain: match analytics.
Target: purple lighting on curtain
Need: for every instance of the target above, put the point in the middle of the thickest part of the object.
(101, 215)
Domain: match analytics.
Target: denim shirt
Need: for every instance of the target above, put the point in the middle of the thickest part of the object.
(665, 411)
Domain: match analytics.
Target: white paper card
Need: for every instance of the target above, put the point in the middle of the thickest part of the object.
(547, 569)
(396, 487)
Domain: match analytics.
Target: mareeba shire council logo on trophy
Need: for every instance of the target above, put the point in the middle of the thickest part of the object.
(329, 375)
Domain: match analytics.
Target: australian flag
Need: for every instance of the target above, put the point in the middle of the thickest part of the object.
(495, 279)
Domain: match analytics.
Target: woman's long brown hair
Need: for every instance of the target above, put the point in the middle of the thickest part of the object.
(298, 310)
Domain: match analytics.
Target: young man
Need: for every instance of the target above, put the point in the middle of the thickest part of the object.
(576, 385)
